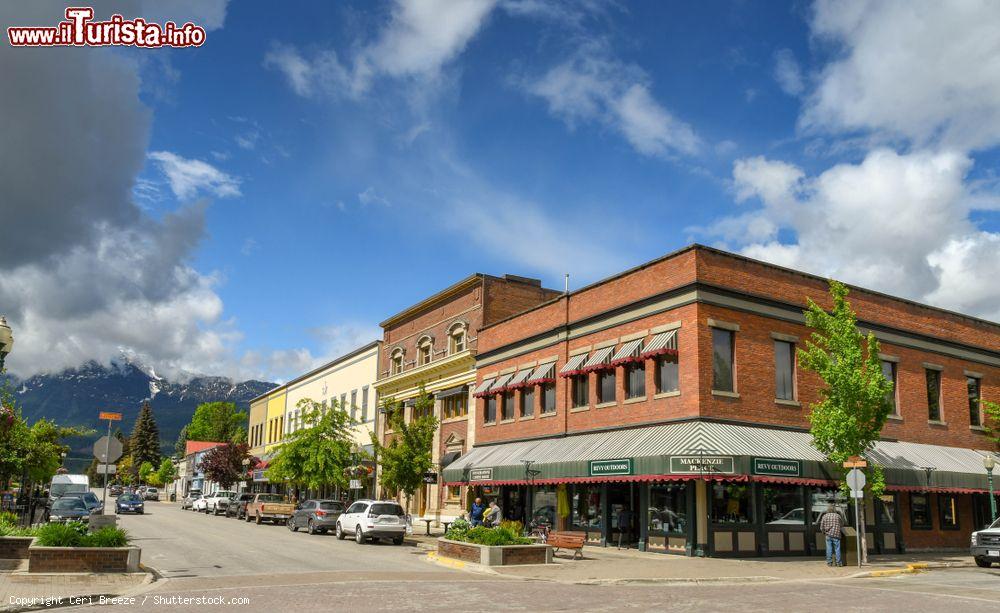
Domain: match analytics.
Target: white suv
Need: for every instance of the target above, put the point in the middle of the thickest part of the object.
(216, 503)
(373, 519)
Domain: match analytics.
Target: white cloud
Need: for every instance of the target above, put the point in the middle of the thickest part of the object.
(896, 223)
(188, 177)
(370, 196)
(921, 70)
(787, 72)
(592, 87)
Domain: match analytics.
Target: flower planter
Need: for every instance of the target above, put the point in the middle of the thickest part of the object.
(83, 559)
(15, 547)
(506, 555)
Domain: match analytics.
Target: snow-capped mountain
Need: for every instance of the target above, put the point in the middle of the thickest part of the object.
(75, 396)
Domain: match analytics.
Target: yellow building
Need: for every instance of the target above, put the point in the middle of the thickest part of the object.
(257, 426)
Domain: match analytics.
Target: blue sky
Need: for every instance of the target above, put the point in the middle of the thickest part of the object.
(331, 164)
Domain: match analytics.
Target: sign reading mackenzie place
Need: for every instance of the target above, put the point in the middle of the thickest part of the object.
(602, 468)
(776, 467)
(699, 464)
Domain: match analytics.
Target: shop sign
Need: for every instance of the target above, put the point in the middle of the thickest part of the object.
(430, 477)
(701, 464)
(481, 474)
(258, 475)
(608, 468)
(776, 467)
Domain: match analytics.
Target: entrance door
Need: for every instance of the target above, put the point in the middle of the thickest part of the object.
(623, 520)
(888, 535)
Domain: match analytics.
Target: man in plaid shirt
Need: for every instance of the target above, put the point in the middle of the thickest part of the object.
(831, 523)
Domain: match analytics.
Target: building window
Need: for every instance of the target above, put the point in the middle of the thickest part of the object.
(667, 508)
(455, 406)
(527, 401)
(889, 372)
(606, 386)
(933, 394)
(920, 511)
(364, 403)
(508, 406)
(454, 492)
(423, 408)
(586, 507)
(635, 380)
(354, 405)
(490, 414)
(343, 402)
(723, 379)
(548, 398)
(580, 393)
(666, 374)
(425, 352)
(974, 386)
(783, 504)
(732, 503)
(784, 370)
(948, 507)
(397, 362)
(456, 342)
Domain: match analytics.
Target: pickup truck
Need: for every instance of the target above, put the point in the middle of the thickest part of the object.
(270, 507)
(216, 503)
(986, 545)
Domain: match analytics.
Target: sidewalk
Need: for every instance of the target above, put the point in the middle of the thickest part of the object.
(22, 591)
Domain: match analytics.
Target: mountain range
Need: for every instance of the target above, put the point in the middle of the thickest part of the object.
(75, 396)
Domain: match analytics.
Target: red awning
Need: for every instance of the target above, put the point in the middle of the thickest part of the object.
(619, 479)
(945, 490)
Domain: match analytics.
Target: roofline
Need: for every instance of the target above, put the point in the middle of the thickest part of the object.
(736, 256)
(318, 369)
(441, 295)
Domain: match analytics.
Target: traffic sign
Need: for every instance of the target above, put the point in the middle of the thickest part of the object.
(355, 484)
(110, 416)
(856, 480)
(107, 469)
(107, 449)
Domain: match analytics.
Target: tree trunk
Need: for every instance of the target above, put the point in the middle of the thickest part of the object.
(863, 554)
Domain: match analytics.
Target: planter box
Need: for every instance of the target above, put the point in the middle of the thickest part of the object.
(15, 547)
(507, 555)
(83, 559)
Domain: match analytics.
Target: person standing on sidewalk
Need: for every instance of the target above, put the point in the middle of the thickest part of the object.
(832, 524)
(476, 513)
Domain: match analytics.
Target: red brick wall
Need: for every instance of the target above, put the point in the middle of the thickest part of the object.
(936, 538)
(14, 547)
(506, 297)
(78, 560)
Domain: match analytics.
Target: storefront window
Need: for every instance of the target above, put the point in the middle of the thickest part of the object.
(732, 503)
(585, 502)
(667, 508)
(887, 510)
(822, 498)
(920, 512)
(543, 506)
(949, 512)
(784, 505)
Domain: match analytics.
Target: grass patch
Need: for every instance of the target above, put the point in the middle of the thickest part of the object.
(74, 534)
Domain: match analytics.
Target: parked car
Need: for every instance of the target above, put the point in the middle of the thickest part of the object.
(373, 519)
(69, 508)
(198, 506)
(90, 499)
(237, 507)
(65, 484)
(986, 545)
(116, 490)
(216, 503)
(129, 503)
(151, 493)
(189, 500)
(316, 516)
(269, 507)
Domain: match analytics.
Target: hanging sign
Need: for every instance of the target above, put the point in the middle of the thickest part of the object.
(110, 416)
(602, 468)
(776, 467)
(701, 464)
(430, 477)
(481, 474)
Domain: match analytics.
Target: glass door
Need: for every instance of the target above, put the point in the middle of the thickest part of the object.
(623, 501)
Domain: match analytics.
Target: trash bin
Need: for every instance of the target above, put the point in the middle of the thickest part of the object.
(849, 546)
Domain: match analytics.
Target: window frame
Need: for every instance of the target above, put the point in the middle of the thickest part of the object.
(527, 401)
(396, 362)
(791, 366)
(576, 384)
(603, 377)
(731, 335)
(545, 387)
(658, 373)
(631, 379)
(937, 389)
(941, 498)
(894, 372)
(504, 397)
(490, 402)
(975, 405)
(930, 512)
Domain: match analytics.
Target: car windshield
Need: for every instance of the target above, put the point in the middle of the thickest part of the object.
(129, 498)
(68, 504)
(386, 509)
(331, 506)
(61, 489)
(996, 524)
(272, 498)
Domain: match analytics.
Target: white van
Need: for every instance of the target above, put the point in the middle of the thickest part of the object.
(64, 484)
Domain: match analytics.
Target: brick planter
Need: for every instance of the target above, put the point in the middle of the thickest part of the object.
(15, 547)
(507, 555)
(83, 559)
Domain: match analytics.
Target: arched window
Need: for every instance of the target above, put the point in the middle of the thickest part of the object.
(396, 359)
(425, 350)
(457, 337)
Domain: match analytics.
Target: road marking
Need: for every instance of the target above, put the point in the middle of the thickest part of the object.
(898, 591)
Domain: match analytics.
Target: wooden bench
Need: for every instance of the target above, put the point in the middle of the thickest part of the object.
(567, 540)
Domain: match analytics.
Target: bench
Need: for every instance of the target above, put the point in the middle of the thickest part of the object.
(567, 540)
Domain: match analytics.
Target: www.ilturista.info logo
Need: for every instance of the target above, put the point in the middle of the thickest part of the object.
(79, 30)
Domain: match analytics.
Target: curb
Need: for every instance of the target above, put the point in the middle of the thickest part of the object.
(75, 600)
(911, 569)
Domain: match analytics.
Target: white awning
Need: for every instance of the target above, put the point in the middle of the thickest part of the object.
(500, 383)
(600, 358)
(482, 387)
(543, 371)
(573, 364)
(631, 349)
(662, 343)
(520, 377)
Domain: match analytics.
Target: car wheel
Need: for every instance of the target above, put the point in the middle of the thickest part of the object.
(215, 511)
(290, 522)
(397, 541)
(983, 563)
(359, 536)
(257, 519)
(339, 532)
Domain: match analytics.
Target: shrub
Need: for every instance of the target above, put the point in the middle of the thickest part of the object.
(108, 536)
(491, 537)
(8, 519)
(11, 530)
(514, 526)
(61, 535)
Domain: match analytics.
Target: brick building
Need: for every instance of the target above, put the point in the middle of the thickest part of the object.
(433, 345)
(664, 407)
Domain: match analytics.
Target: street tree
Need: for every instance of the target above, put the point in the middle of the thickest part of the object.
(318, 454)
(224, 464)
(144, 444)
(167, 472)
(992, 414)
(145, 470)
(216, 421)
(406, 456)
(855, 401)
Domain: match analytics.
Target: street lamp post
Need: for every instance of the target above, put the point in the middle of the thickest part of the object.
(6, 340)
(989, 463)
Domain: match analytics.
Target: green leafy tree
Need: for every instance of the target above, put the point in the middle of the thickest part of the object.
(991, 411)
(145, 470)
(406, 456)
(854, 402)
(218, 422)
(144, 444)
(167, 472)
(319, 454)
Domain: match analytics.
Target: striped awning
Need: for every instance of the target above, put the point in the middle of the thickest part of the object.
(665, 342)
(483, 387)
(544, 372)
(628, 352)
(500, 384)
(452, 391)
(600, 360)
(572, 367)
(520, 378)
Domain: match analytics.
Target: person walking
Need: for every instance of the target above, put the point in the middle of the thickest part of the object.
(496, 514)
(476, 513)
(831, 523)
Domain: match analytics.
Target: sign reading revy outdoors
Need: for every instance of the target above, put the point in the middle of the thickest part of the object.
(481, 474)
(607, 468)
(776, 467)
(700, 464)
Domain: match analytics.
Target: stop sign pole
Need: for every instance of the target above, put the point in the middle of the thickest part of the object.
(107, 452)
